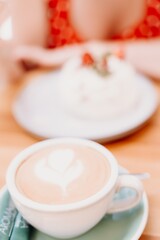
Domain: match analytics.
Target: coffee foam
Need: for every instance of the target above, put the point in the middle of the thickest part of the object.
(62, 174)
(59, 168)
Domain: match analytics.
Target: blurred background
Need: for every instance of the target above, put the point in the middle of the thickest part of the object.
(37, 39)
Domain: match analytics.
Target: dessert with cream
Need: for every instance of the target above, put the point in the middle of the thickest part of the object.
(98, 87)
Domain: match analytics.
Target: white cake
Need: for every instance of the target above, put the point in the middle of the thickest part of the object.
(89, 94)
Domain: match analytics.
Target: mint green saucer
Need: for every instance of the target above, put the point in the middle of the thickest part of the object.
(121, 226)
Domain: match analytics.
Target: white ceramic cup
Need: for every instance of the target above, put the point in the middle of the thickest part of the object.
(71, 220)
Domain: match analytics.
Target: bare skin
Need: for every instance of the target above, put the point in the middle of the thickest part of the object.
(30, 32)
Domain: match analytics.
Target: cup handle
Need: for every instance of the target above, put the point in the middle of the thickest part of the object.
(121, 205)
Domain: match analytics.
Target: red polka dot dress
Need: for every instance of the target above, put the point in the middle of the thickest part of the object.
(62, 32)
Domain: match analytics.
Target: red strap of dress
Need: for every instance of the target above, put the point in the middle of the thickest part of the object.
(149, 27)
(61, 31)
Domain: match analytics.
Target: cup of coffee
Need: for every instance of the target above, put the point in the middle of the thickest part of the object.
(65, 186)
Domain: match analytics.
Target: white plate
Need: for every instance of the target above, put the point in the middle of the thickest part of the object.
(38, 109)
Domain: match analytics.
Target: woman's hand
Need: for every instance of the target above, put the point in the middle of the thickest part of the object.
(56, 57)
(45, 57)
(12, 58)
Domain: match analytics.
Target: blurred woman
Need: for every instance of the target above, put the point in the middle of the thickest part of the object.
(41, 29)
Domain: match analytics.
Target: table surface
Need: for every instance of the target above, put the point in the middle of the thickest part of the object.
(139, 152)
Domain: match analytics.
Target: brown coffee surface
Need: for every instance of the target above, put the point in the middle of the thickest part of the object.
(62, 174)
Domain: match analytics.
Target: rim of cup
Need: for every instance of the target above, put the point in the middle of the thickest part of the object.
(22, 199)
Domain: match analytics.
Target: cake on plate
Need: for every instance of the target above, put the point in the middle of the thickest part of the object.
(101, 87)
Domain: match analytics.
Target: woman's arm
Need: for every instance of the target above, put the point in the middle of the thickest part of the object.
(145, 56)
(29, 21)
(29, 28)
(8, 69)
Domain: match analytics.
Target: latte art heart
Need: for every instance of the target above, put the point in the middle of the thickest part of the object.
(62, 174)
(59, 168)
